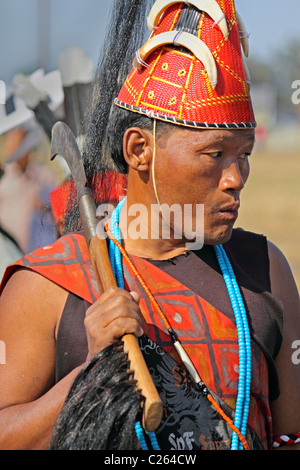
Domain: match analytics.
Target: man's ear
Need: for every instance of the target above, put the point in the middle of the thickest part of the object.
(137, 148)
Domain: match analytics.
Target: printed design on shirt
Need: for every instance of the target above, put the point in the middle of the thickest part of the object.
(189, 420)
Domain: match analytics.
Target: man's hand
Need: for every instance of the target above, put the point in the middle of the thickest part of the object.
(115, 314)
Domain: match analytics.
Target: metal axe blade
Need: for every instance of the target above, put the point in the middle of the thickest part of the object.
(63, 143)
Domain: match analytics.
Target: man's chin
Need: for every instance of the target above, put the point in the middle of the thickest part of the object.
(219, 238)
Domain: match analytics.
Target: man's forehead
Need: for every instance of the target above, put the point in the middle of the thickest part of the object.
(216, 135)
(227, 135)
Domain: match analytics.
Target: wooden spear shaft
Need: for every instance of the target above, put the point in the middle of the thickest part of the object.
(65, 145)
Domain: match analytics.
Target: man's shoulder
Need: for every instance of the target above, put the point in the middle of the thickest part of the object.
(249, 254)
(244, 243)
(66, 263)
(239, 234)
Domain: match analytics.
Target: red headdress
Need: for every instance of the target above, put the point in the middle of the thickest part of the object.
(192, 71)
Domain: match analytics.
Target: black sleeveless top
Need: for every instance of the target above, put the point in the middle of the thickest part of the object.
(200, 272)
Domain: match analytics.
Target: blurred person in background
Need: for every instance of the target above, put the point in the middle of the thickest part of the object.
(9, 248)
(25, 187)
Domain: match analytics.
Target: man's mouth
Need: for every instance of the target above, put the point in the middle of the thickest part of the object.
(230, 211)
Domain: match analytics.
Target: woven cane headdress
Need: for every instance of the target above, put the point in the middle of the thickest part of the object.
(192, 70)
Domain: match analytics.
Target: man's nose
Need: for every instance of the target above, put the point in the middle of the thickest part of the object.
(232, 178)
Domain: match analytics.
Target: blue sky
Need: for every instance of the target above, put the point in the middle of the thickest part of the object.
(82, 22)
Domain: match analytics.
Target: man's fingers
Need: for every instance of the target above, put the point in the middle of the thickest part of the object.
(135, 296)
(114, 296)
(115, 314)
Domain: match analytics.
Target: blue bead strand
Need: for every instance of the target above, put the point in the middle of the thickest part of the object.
(246, 360)
(247, 346)
(244, 340)
(153, 439)
(243, 399)
(242, 356)
(140, 435)
(114, 253)
(116, 262)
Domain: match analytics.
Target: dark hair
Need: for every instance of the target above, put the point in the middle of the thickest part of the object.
(102, 407)
(120, 121)
(125, 33)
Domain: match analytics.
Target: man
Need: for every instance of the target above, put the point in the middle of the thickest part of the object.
(54, 324)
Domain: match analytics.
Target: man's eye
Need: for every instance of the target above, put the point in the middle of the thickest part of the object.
(244, 156)
(215, 154)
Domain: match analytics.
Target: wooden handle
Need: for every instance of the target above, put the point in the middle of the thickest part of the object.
(153, 409)
(101, 263)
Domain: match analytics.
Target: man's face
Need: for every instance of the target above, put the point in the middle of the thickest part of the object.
(208, 167)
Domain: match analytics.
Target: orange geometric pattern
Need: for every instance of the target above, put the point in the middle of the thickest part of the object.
(174, 84)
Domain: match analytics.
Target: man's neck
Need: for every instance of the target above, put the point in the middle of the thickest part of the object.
(153, 249)
(150, 245)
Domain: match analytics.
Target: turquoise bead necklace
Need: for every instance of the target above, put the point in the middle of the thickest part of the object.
(244, 342)
(244, 339)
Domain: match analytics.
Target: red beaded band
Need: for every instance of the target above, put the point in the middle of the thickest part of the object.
(287, 440)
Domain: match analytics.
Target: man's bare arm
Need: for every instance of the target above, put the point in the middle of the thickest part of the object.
(30, 312)
(30, 308)
(286, 409)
